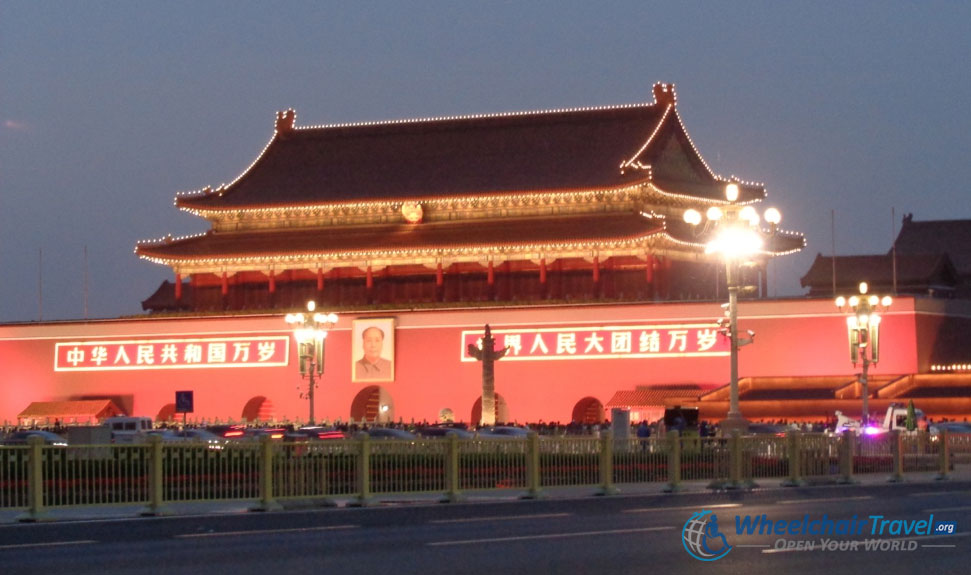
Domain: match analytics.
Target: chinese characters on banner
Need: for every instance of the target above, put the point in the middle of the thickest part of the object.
(172, 353)
(633, 341)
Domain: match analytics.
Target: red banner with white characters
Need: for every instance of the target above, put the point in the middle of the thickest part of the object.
(625, 341)
(188, 353)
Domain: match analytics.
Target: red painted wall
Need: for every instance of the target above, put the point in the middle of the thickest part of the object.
(793, 337)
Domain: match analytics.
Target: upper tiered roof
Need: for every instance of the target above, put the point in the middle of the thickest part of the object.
(582, 183)
(560, 150)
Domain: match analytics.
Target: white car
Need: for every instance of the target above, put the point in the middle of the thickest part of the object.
(950, 427)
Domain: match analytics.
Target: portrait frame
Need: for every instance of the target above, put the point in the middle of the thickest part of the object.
(384, 370)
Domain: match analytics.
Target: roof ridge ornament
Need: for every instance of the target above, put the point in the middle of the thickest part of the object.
(664, 94)
(285, 121)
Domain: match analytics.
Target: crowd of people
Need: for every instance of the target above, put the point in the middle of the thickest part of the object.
(641, 429)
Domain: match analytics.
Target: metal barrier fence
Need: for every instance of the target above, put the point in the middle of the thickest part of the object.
(194, 472)
(874, 454)
(37, 477)
(818, 455)
(14, 464)
(570, 461)
(640, 461)
(704, 458)
(408, 466)
(766, 456)
(499, 464)
(959, 446)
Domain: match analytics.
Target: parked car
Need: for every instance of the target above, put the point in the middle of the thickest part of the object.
(439, 431)
(203, 436)
(775, 429)
(127, 429)
(167, 435)
(20, 438)
(390, 433)
(503, 432)
(949, 426)
(228, 431)
(313, 433)
(254, 433)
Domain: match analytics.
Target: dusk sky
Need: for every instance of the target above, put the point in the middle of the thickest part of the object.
(108, 109)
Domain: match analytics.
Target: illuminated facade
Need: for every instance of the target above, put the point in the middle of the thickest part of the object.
(564, 205)
(562, 230)
(565, 362)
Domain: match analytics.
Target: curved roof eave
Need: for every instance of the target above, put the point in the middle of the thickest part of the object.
(262, 246)
(396, 202)
(481, 143)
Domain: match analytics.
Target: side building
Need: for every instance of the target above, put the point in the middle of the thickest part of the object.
(930, 258)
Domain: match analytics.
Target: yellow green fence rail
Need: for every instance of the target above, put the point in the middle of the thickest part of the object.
(38, 477)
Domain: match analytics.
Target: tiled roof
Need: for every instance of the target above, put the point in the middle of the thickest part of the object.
(402, 236)
(541, 151)
(878, 270)
(164, 297)
(646, 396)
(952, 237)
(95, 408)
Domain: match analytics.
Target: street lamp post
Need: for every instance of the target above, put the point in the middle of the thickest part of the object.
(734, 232)
(863, 331)
(310, 331)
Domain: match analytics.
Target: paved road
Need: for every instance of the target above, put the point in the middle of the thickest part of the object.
(612, 535)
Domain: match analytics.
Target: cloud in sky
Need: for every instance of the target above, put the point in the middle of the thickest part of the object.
(16, 126)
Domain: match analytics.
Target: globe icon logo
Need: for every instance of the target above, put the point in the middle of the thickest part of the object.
(701, 537)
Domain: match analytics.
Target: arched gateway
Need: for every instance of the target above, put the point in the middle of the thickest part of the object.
(166, 413)
(588, 411)
(258, 408)
(373, 404)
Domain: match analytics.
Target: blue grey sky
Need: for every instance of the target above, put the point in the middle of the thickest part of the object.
(108, 109)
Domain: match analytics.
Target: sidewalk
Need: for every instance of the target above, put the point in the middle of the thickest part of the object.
(960, 474)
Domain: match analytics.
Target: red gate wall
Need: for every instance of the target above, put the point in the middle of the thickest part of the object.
(793, 338)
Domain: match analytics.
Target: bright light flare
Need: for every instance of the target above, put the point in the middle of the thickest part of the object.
(773, 216)
(733, 242)
(305, 335)
(295, 318)
(750, 215)
(692, 217)
(731, 192)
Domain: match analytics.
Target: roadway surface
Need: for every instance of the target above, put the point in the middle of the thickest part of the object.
(611, 535)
